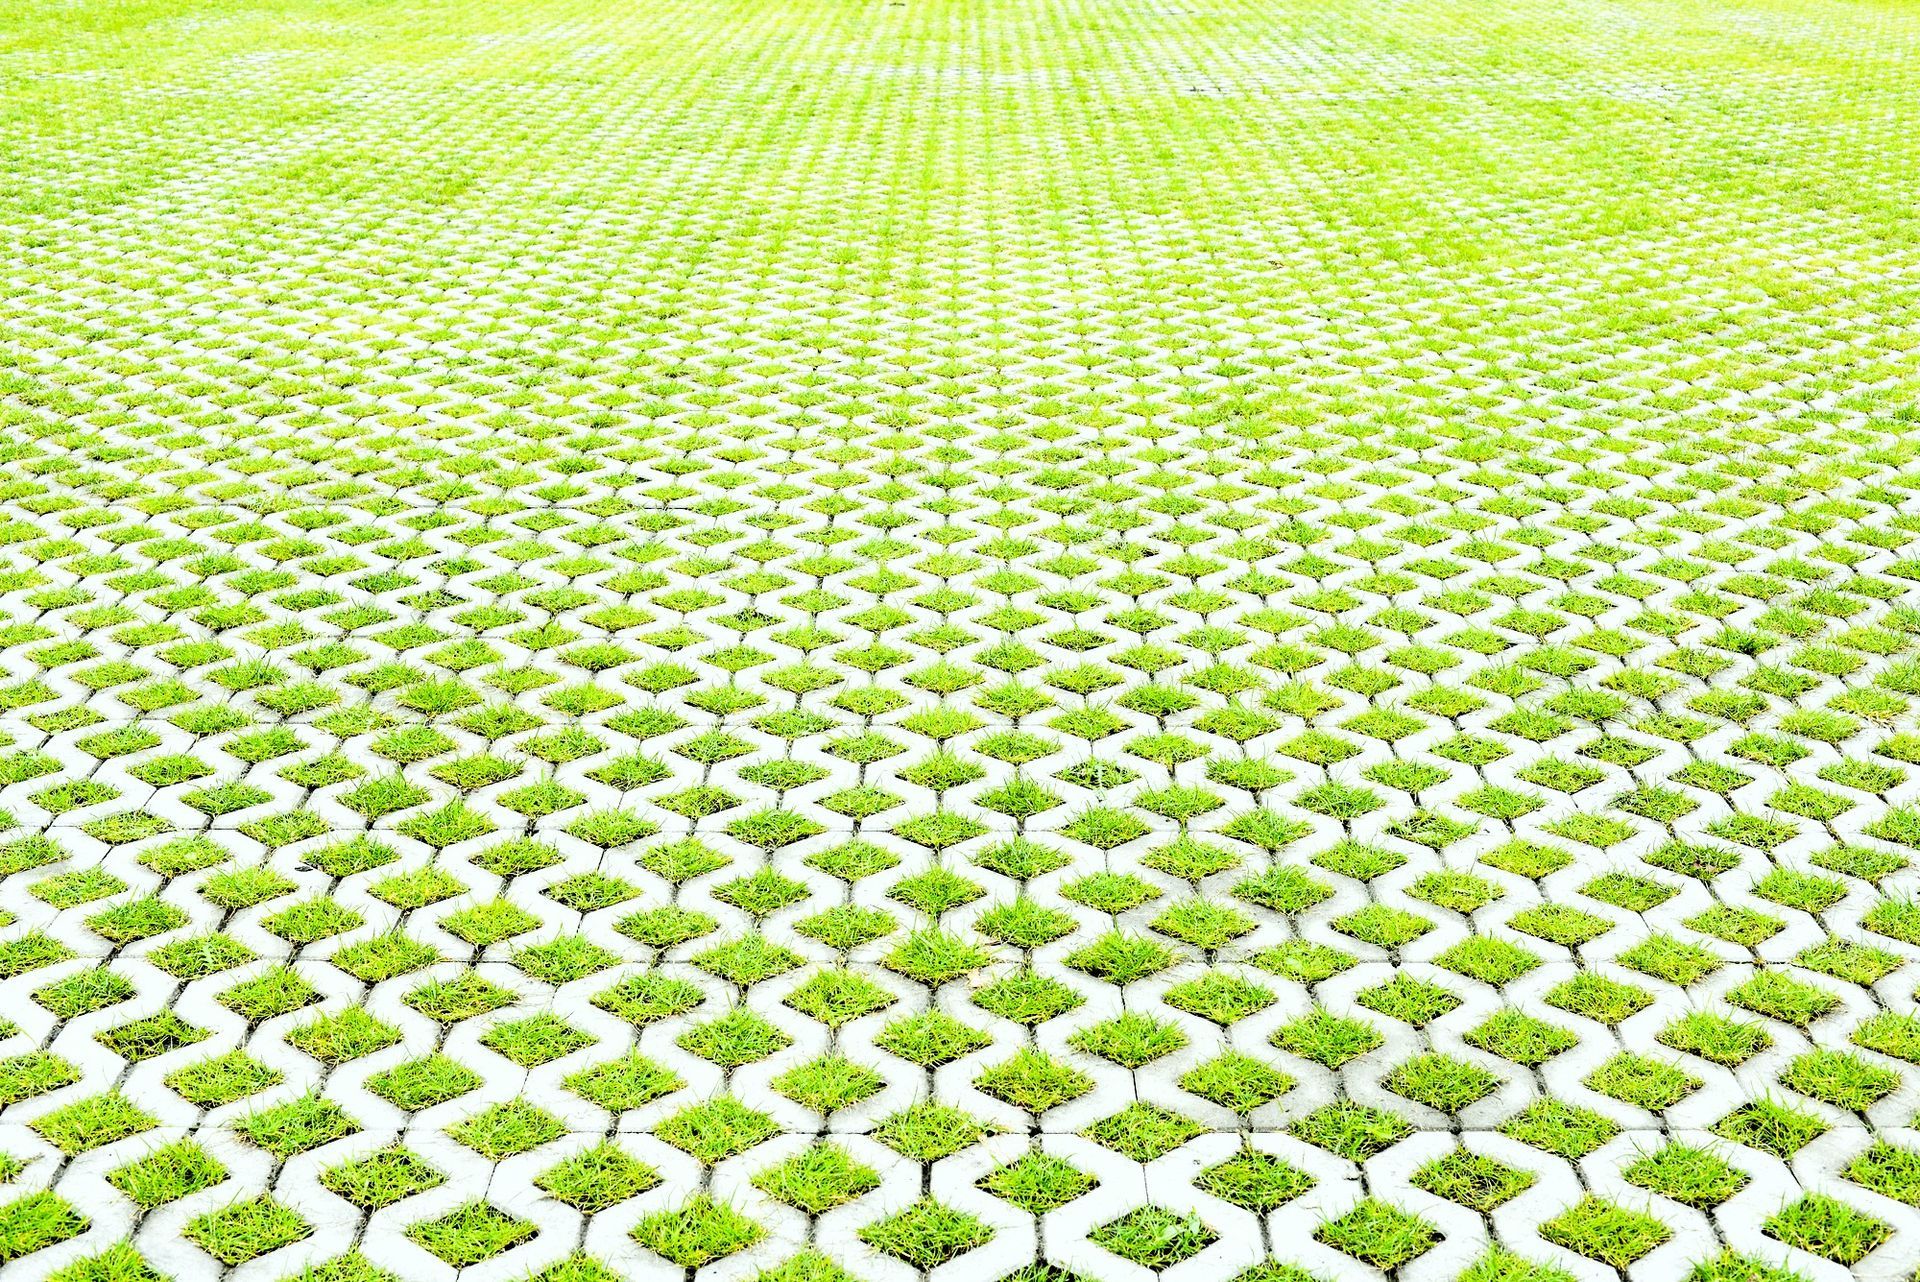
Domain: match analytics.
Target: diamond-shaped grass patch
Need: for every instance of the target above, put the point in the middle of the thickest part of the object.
(1380, 1234)
(1131, 1040)
(629, 1082)
(1891, 1170)
(1441, 1082)
(383, 1178)
(928, 1131)
(471, 1233)
(927, 1234)
(1326, 1038)
(143, 1039)
(1697, 1177)
(746, 961)
(89, 1123)
(1121, 959)
(1154, 1237)
(222, 1079)
(597, 1178)
(817, 1179)
(1829, 1228)
(1034, 1081)
(697, 1233)
(1143, 1131)
(34, 1073)
(1038, 1182)
(167, 1174)
(931, 1039)
(828, 1083)
(1350, 1130)
(1027, 997)
(449, 1001)
(535, 1040)
(1236, 1081)
(1474, 1180)
(297, 1125)
(423, 1083)
(717, 1129)
(506, 1129)
(646, 999)
(1565, 1130)
(247, 1229)
(1414, 1001)
(836, 997)
(120, 1262)
(1254, 1180)
(35, 1221)
(736, 1038)
(1604, 1231)
(1771, 1126)
(1223, 998)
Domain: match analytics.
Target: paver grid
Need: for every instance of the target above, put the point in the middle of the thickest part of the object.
(803, 641)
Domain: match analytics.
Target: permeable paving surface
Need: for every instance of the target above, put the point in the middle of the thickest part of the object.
(843, 639)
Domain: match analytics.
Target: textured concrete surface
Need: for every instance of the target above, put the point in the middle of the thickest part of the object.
(852, 640)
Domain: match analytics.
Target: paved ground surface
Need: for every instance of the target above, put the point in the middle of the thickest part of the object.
(1038, 641)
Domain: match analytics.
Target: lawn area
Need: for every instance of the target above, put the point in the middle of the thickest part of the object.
(851, 640)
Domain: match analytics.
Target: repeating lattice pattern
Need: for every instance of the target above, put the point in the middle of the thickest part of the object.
(818, 641)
